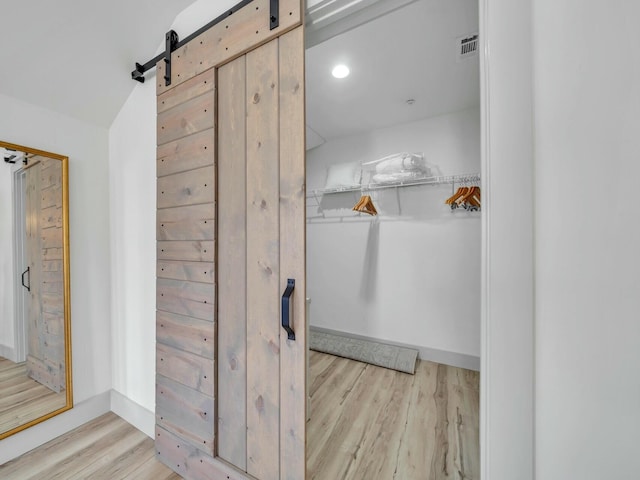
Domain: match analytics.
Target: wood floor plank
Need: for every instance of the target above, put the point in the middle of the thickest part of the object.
(39, 462)
(10, 369)
(463, 428)
(128, 462)
(105, 451)
(331, 390)
(416, 450)
(13, 397)
(366, 423)
(350, 428)
(23, 399)
(377, 455)
(15, 384)
(370, 422)
(32, 410)
(153, 469)
(106, 448)
(6, 364)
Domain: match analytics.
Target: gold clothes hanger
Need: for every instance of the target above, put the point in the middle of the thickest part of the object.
(365, 205)
(468, 198)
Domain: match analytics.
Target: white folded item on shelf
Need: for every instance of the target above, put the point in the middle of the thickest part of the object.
(396, 167)
(402, 162)
(383, 178)
(343, 175)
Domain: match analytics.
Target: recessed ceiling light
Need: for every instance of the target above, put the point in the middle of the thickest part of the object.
(340, 71)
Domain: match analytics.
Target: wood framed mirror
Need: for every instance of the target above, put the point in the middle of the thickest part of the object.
(35, 327)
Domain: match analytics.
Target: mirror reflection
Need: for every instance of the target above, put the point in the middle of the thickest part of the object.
(35, 376)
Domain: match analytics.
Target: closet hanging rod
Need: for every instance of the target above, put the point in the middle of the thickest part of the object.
(172, 42)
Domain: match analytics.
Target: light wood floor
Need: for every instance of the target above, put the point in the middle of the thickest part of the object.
(22, 399)
(107, 448)
(367, 423)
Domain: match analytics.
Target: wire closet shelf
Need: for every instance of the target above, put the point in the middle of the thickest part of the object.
(466, 179)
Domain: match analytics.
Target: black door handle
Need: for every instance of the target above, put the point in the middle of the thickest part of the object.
(286, 296)
(28, 287)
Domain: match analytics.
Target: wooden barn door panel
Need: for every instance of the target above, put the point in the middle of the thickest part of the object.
(45, 327)
(263, 264)
(293, 363)
(232, 265)
(239, 33)
(231, 399)
(185, 289)
(35, 326)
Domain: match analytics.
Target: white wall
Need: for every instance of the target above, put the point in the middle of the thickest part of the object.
(7, 339)
(132, 183)
(133, 244)
(507, 390)
(86, 146)
(412, 274)
(587, 169)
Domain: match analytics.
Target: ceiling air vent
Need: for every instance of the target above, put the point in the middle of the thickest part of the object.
(467, 46)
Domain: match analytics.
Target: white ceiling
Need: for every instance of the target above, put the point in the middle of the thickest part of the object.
(76, 56)
(407, 54)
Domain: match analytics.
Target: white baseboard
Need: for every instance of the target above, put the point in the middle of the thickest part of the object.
(8, 352)
(454, 359)
(133, 413)
(26, 440)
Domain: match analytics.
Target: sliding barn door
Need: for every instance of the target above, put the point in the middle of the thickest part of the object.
(230, 400)
(45, 317)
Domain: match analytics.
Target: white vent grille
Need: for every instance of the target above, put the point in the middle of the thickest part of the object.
(467, 46)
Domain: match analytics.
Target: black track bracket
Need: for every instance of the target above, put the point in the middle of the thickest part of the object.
(172, 42)
(138, 73)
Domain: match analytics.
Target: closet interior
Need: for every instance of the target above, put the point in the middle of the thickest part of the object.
(394, 207)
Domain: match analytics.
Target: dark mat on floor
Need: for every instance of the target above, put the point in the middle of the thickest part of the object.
(388, 356)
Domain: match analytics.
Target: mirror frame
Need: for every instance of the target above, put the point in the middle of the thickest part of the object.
(66, 286)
